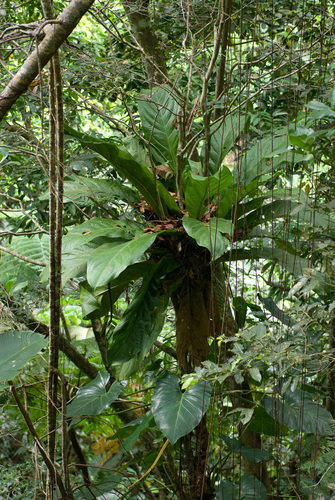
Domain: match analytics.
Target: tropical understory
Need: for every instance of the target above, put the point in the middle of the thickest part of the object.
(167, 250)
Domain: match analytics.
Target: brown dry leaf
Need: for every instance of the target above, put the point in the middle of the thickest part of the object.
(164, 171)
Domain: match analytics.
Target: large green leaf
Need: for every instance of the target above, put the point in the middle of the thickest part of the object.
(86, 187)
(265, 156)
(230, 197)
(93, 306)
(158, 112)
(35, 248)
(84, 239)
(141, 323)
(262, 423)
(92, 399)
(198, 189)
(177, 413)
(297, 410)
(74, 260)
(209, 234)
(314, 218)
(320, 110)
(17, 348)
(134, 146)
(277, 209)
(139, 175)
(249, 488)
(139, 425)
(98, 302)
(100, 227)
(223, 140)
(108, 262)
(293, 263)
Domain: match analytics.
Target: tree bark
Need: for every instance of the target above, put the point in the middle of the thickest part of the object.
(55, 34)
(196, 319)
(144, 34)
(202, 311)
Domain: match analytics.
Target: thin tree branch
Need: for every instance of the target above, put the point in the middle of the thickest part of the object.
(22, 257)
(48, 462)
(55, 35)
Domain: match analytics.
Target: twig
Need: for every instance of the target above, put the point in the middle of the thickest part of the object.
(22, 257)
(51, 468)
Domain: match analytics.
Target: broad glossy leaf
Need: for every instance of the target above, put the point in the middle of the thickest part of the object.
(277, 209)
(100, 227)
(262, 423)
(83, 240)
(286, 209)
(158, 112)
(315, 219)
(135, 147)
(141, 323)
(198, 189)
(118, 285)
(226, 490)
(86, 187)
(93, 306)
(223, 140)
(107, 262)
(177, 413)
(275, 311)
(95, 303)
(139, 175)
(17, 348)
(294, 264)
(140, 425)
(297, 410)
(265, 156)
(74, 260)
(302, 137)
(92, 399)
(230, 197)
(209, 234)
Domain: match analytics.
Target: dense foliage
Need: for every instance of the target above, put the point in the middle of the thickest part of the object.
(195, 322)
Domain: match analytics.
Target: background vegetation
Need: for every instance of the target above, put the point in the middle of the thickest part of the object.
(167, 249)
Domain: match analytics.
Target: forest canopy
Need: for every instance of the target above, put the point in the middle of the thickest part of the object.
(167, 249)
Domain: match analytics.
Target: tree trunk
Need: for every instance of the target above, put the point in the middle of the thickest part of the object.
(194, 324)
(202, 312)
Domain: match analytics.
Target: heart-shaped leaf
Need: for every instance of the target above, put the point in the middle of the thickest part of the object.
(92, 399)
(177, 413)
(297, 410)
(17, 348)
